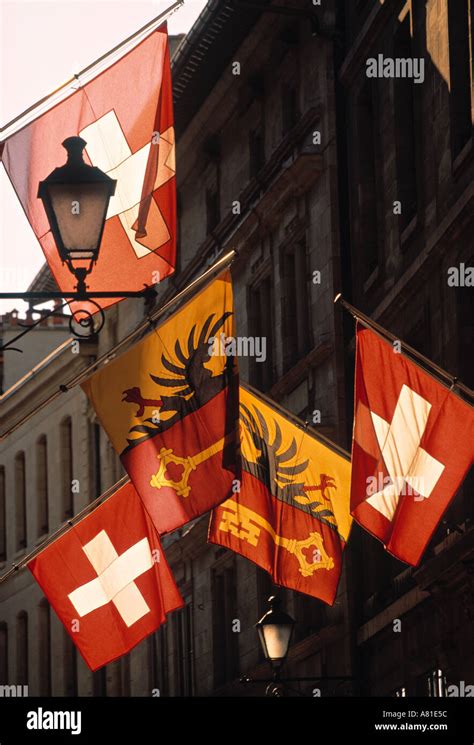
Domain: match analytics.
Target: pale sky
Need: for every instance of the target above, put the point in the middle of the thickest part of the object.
(41, 45)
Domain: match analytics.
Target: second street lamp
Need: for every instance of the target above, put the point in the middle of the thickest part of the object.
(275, 630)
(76, 198)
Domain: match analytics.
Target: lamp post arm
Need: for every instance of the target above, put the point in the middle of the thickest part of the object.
(247, 679)
(74, 295)
(28, 328)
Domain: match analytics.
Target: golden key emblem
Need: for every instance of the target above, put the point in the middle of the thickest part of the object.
(189, 464)
(247, 525)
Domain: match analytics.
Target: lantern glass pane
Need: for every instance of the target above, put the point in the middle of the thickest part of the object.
(80, 213)
(277, 640)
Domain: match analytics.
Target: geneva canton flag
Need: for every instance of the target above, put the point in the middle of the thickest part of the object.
(291, 513)
(170, 408)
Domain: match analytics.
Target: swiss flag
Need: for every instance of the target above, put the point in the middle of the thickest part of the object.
(108, 580)
(412, 446)
(125, 115)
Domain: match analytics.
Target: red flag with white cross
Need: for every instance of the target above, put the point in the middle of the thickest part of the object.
(125, 116)
(108, 580)
(413, 443)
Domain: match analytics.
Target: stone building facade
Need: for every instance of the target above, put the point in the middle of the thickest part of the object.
(290, 154)
(412, 143)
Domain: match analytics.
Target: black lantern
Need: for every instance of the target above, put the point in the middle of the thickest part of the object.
(76, 198)
(275, 629)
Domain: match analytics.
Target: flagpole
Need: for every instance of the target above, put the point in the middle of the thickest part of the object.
(381, 331)
(64, 528)
(151, 319)
(147, 27)
(305, 426)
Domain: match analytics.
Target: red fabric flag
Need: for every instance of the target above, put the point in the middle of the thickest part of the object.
(412, 446)
(125, 115)
(108, 580)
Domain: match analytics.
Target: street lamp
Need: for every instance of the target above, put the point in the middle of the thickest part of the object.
(76, 198)
(275, 629)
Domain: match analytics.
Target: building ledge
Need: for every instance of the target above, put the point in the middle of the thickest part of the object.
(397, 609)
(204, 52)
(298, 372)
(452, 566)
(446, 236)
(298, 652)
(451, 569)
(289, 171)
(28, 393)
(361, 45)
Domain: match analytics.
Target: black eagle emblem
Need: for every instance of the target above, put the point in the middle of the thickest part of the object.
(190, 383)
(272, 468)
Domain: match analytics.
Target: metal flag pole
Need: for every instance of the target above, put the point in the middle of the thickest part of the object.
(445, 376)
(148, 27)
(150, 320)
(64, 528)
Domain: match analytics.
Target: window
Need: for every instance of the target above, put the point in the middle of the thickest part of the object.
(44, 649)
(289, 107)
(213, 210)
(261, 326)
(405, 128)
(22, 648)
(460, 509)
(42, 484)
(3, 516)
(3, 653)
(311, 616)
(225, 640)
(256, 151)
(265, 589)
(294, 306)
(183, 648)
(20, 500)
(367, 186)
(158, 655)
(179, 222)
(465, 315)
(67, 467)
(460, 23)
(118, 467)
(70, 666)
(99, 682)
(125, 675)
(419, 335)
(435, 684)
(94, 461)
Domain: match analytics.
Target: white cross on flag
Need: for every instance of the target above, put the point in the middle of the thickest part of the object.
(108, 580)
(125, 115)
(412, 445)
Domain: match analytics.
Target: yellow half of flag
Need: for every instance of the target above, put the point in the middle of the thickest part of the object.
(168, 374)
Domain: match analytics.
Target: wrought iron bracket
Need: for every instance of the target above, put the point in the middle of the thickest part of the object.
(84, 322)
(276, 686)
